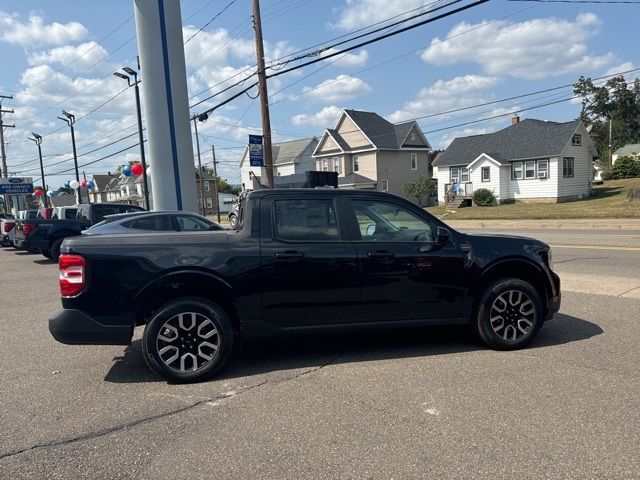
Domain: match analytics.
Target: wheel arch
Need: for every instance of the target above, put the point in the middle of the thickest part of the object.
(185, 283)
(62, 235)
(514, 267)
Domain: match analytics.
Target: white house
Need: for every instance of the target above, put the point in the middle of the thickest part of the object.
(629, 149)
(288, 158)
(531, 160)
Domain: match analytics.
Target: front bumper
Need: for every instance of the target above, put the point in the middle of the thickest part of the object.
(553, 302)
(75, 327)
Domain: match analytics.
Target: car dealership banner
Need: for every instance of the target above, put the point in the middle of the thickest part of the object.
(256, 151)
(16, 185)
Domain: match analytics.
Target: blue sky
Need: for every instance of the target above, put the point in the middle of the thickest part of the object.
(51, 59)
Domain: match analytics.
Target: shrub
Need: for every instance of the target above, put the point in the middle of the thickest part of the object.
(627, 166)
(484, 197)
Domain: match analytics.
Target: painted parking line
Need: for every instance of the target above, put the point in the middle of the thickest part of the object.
(597, 247)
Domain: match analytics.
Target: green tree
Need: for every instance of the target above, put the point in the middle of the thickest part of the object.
(420, 188)
(616, 100)
(627, 166)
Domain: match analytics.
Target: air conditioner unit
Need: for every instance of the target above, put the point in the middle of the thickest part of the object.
(542, 174)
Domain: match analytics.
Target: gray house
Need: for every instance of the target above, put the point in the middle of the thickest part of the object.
(531, 160)
(370, 152)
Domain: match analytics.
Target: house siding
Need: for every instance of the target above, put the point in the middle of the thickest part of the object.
(303, 163)
(395, 166)
(532, 188)
(578, 186)
(352, 134)
(495, 176)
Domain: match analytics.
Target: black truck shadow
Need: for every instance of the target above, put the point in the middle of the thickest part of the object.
(257, 357)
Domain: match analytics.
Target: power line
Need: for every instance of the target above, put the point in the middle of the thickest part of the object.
(212, 19)
(605, 2)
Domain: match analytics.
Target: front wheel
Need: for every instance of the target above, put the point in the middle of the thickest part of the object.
(509, 314)
(188, 340)
(233, 220)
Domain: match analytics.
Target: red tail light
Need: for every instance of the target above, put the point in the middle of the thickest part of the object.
(8, 227)
(28, 228)
(72, 274)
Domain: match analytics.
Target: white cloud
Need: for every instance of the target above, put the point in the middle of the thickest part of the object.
(324, 118)
(78, 57)
(338, 89)
(446, 95)
(360, 13)
(36, 32)
(535, 48)
(348, 59)
(624, 67)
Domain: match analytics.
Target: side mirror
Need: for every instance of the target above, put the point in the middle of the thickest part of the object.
(371, 229)
(443, 236)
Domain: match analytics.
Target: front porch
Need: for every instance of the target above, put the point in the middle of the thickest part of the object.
(458, 195)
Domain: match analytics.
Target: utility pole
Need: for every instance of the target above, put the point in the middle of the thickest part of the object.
(610, 143)
(38, 140)
(3, 152)
(215, 181)
(262, 90)
(201, 181)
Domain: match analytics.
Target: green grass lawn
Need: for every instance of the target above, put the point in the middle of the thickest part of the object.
(610, 201)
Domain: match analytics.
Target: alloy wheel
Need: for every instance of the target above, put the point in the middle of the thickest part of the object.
(188, 341)
(512, 315)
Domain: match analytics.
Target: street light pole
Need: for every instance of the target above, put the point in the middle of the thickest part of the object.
(71, 119)
(38, 139)
(135, 83)
(195, 126)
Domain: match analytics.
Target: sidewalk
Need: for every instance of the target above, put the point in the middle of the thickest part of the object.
(568, 224)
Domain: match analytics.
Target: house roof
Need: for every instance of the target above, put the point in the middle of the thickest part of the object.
(628, 149)
(286, 152)
(101, 181)
(355, 179)
(526, 139)
(339, 140)
(63, 199)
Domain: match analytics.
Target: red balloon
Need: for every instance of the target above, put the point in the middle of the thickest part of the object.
(83, 183)
(38, 193)
(137, 169)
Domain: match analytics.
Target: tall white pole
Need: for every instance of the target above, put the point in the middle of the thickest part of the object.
(164, 90)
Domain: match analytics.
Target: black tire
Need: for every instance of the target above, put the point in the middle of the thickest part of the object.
(516, 325)
(189, 343)
(55, 249)
(233, 220)
(46, 254)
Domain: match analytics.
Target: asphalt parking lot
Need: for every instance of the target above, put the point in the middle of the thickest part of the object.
(422, 403)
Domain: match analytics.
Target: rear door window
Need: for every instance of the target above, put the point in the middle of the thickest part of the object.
(306, 220)
(155, 223)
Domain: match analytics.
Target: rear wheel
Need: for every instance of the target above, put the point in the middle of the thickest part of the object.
(233, 220)
(509, 314)
(55, 249)
(188, 340)
(46, 253)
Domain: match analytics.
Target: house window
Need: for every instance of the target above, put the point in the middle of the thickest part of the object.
(325, 165)
(336, 165)
(567, 167)
(516, 171)
(454, 174)
(543, 168)
(206, 186)
(356, 163)
(385, 185)
(486, 174)
(576, 140)
(209, 202)
(529, 169)
(414, 161)
(413, 136)
(464, 174)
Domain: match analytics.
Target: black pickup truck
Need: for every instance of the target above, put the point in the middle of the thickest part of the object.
(300, 260)
(46, 236)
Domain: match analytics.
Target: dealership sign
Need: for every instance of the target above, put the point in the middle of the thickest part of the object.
(16, 185)
(255, 151)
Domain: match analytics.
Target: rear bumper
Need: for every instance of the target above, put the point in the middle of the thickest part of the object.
(75, 327)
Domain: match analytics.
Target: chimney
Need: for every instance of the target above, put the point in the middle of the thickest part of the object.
(515, 119)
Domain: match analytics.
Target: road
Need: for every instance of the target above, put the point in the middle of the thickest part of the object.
(423, 403)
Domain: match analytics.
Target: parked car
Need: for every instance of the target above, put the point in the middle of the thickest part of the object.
(46, 236)
(7, 231)
(233, 215)
(140, 222)
(301, 260)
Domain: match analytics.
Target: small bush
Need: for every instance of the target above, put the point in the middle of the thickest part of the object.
(627, 166)
(484, 197)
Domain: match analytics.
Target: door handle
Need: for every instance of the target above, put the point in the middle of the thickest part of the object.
(288, 255)
(381, 254)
